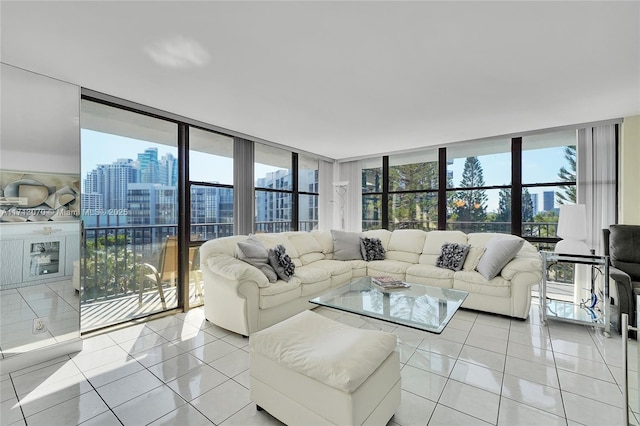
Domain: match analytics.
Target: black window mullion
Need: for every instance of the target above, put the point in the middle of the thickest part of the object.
(442, 188)
(184, 216)
(385, 192)
(295, 204)
(516, 186)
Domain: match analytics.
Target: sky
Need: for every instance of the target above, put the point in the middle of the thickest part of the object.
(540, 165)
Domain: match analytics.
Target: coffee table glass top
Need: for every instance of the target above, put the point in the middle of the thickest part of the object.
(419, 306)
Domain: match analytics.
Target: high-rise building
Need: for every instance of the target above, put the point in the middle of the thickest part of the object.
(151, 204)
(547, 199)
(168, 168)
(111, 181)
(149, 166)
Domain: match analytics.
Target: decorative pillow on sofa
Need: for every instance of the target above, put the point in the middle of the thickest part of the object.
(499, 251)
(473, 258)
(255, 253)
(452, 256)
(346, 245)
(371, 249)
(281, 262)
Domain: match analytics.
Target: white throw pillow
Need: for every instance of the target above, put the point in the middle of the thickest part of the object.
(499, 251)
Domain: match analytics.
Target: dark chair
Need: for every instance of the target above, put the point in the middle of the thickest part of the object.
(622, 245)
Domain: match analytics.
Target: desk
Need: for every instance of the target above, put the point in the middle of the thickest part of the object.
(581, 313)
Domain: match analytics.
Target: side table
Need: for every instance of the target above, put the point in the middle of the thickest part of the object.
(581, 313)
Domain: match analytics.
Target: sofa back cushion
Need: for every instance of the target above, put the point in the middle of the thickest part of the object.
(406, 245)
(383, 235)
(433, 244)
(308, 247)
(325, 240)
(272, 240)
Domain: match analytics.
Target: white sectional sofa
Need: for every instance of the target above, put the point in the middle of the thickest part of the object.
(240, 298)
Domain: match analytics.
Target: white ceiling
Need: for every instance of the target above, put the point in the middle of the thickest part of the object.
(344, 79)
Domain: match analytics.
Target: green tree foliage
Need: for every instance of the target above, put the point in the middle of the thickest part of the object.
(567, 193)
(471, 205)
(504, 206)
(527, 206)
(414, 210)
(110, 268)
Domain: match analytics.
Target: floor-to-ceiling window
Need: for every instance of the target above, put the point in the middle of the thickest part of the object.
(211, 198)
(475, 181)
(548, 180)
(479, 186)
(274, 189)
(413, 191)
(129, 211)
(308, 197)
(372, 192)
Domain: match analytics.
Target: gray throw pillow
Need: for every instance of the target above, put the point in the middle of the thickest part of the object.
(371, 249)
(281, 262)
(499, 251)
(346, 245)
(452, 256)
(255, 253)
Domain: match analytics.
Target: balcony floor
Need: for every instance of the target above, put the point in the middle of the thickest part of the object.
(104, 313)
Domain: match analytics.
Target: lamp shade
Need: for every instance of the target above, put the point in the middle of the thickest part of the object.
(572, 228)
(572, 223)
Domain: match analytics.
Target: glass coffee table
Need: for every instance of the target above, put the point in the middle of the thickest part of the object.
(419, 306)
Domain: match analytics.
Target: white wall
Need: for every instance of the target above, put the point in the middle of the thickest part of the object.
(40, 124)
(629, 172)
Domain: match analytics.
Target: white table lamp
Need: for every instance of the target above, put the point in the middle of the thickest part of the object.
(572, 228)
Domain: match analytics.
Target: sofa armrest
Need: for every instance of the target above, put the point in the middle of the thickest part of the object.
(522, 264)
(624, 288)
(237, 270)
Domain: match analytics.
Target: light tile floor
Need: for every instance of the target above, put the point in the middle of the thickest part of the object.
(181, 370)
(58, 302)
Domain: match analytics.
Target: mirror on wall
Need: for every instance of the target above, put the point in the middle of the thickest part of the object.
(39, 212)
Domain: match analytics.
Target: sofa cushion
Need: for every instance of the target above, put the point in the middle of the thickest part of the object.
(256, 254)
(309, 249)
(474, 282)
(406, 245)
(309, 274)
(429, 271)
(499, 251)
(452, 256)
(272, 240)
(433, 244)
(335, 267)
(383, 235)
(473, 257)
(325, 240)
(346, 245)
(394, 268)
(371, 249)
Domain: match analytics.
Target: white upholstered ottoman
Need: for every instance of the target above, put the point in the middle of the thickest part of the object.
(310, 370)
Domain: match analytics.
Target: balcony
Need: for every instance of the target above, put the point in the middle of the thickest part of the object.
(112, 267)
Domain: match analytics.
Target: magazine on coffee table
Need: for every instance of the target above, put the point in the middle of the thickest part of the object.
(388, 283)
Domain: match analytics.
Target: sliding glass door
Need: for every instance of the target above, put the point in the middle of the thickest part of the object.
(129, 178)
